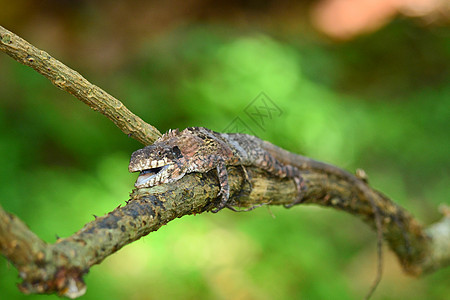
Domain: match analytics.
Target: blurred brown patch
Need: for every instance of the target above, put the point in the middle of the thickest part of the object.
(346, 19)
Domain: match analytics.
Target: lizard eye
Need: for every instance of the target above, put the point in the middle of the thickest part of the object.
(176, 151)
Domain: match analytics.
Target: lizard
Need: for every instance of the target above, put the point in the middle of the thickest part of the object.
(198, 149)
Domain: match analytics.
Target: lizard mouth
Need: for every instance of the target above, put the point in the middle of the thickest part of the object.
(150, 177)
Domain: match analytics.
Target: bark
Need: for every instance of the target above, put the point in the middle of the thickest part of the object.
(59, 267)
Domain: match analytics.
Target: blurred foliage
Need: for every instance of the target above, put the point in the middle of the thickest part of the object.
(380, 102)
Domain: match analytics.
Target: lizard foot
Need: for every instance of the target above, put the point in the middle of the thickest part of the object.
(224, 194)
(222, 198)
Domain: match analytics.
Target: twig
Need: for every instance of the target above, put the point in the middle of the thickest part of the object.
(71, 81)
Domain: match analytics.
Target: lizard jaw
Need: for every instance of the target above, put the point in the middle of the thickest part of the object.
(151, 177)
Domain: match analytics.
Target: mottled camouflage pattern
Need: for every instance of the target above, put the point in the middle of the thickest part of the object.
(198, 149)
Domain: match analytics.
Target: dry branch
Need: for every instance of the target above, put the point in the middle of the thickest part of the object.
(71, 81)
(59, 267)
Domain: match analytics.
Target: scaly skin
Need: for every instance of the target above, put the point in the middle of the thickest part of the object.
(198, 149)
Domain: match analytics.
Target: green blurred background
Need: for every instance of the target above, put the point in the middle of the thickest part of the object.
(378, 100)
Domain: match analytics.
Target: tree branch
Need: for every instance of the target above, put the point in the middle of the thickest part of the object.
(71, 81)
(59, 267)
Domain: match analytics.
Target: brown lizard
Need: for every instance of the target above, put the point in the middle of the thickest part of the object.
(198, 149)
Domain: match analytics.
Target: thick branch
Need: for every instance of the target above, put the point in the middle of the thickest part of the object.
(71, 81)
(59, 267)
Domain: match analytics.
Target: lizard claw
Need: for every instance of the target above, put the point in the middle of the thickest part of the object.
(222, 198)
(222, 204)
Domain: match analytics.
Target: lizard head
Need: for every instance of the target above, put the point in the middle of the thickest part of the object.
(163, 162)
